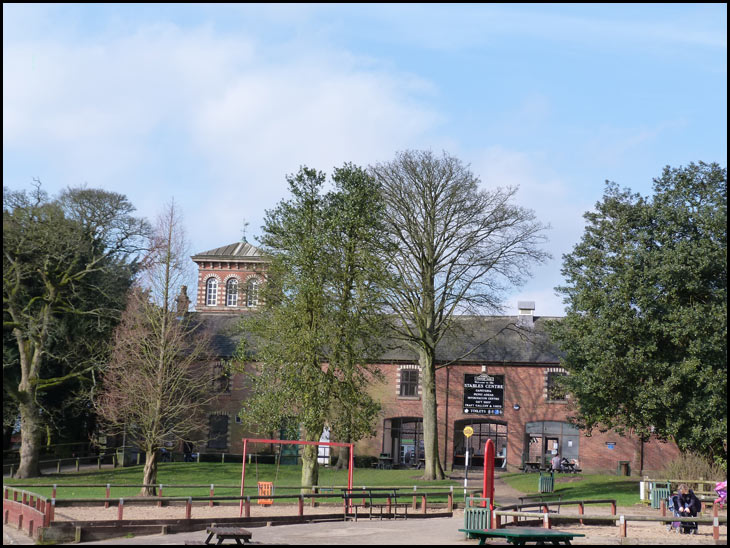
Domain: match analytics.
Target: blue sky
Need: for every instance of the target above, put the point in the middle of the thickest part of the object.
(214, 104)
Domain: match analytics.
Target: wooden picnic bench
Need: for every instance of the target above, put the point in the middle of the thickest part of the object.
(222, 533)
(391, 505)
(523, 535)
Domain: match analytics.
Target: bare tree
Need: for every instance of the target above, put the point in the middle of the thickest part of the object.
(455, 249)
(156, 385)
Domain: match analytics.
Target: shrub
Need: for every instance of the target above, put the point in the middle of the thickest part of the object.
(689, 466)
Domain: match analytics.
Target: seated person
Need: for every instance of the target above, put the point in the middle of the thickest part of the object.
(555, 463)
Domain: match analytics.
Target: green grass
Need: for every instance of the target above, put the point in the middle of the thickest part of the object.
(204, 474)
(581, 486)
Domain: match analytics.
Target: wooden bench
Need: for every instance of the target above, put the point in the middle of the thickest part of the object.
(523, 535)
(222, 533)
(540, 500)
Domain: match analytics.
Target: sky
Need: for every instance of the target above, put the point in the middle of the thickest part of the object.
(214, 105)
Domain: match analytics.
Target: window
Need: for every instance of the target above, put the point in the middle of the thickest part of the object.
(253, 292)
(555, 392)
(221, 377)
(409, 382)
(211, 292)
(232, 292)
(218, 432)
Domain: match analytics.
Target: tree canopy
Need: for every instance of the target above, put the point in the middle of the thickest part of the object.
(67, 263)
(454, 248)
(645, 336)
(320, 317)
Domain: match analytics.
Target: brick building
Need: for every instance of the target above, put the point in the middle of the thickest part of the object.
(496, 374)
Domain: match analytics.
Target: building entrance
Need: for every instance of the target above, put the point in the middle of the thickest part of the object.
(483, 430)
(545, 439)
(403, 441)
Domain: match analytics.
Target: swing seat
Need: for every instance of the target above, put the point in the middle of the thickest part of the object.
(266, 488)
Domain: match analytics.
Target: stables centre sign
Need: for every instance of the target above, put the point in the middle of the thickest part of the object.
(483, 394)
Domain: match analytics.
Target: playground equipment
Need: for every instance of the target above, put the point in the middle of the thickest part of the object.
(351, 464)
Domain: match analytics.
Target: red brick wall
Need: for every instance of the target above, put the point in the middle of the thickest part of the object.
(223, 271)
(526, 386)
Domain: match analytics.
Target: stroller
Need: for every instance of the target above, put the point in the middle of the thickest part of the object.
(680, 526)
(721, 490)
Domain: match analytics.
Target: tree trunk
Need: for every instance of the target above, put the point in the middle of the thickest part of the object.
(343, 458)
(432, 468)
(310, 467)
(150, 474)
(31, 428)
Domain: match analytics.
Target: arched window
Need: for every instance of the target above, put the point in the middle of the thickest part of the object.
(211, 292)
(232, 292)
(252, 292)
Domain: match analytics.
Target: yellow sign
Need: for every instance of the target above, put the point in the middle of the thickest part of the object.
(468, 431)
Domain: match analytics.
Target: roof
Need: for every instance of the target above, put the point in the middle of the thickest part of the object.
(235, 251)
(470, 340)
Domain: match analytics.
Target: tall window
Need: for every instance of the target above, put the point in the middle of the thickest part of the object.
(555, 391)
(232, 292)
(218, 432)
(211, 292)
(409, 382)
(253, 292)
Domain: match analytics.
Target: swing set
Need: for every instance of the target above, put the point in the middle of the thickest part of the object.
(291, 442)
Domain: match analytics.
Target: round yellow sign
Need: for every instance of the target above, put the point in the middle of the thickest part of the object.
(468, 431)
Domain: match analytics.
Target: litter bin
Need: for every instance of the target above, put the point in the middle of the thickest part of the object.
(547, 483)
(623, 468)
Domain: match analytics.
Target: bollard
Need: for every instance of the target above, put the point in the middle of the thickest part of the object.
(120, 509)
(622, 527)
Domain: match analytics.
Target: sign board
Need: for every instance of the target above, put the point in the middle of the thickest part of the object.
(483, 394)
(468, 431)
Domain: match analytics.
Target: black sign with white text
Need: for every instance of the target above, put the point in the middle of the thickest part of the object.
(483, 394)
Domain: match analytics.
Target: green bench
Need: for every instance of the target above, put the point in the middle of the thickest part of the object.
(523, 535)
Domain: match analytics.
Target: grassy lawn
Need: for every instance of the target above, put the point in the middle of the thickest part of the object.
(204, 474)
(581, 486)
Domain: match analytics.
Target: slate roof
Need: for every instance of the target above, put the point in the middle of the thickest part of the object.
(472, 340)
(237, 251)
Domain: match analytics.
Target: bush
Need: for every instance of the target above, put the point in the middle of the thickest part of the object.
(689, 466)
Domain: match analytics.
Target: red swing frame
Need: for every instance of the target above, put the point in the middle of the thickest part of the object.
(350, 467)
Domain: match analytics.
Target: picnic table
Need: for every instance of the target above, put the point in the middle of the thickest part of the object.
(222, 533)
(523, 535)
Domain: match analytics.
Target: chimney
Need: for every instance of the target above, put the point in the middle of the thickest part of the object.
(526, 311)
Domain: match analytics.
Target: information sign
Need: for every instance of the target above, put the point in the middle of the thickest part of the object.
(483, 394)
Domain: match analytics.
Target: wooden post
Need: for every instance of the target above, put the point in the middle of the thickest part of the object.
(77, 464)
(51, 511)
(622, 527)
(415, 501)
(388, 502)
(98, 463)
(120, 509)
(715, 523)
(581, 511)
(189, 508)
(613, 508)
(301, 505)
(497, 521)
(423, 504)
(58, 466)
(312, 499)
(546, 521)
(159, 503)
(451, 499)
(108, 490)
(663, 507)
(53, 493)
(247, 508)
(212, 493)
